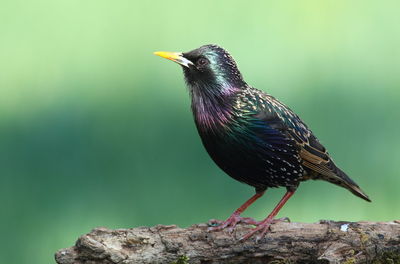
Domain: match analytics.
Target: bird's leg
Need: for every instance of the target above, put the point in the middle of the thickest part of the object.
(264, 225)
(235, 218)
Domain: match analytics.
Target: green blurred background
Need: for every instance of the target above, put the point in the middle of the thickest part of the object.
(96, 131)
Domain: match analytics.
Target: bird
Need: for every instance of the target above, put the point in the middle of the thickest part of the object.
(251, 135)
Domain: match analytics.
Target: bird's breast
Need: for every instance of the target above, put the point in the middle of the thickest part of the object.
(248, 158)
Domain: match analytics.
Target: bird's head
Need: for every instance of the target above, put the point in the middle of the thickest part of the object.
(209, 68)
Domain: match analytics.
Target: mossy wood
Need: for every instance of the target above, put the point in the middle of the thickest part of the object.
(323, 242)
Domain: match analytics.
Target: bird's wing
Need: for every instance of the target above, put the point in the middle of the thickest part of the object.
(280, 118)
(312, 154)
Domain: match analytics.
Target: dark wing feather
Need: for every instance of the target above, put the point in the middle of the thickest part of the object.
(313, 154)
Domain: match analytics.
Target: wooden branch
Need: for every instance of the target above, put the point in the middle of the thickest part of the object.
(323, 242)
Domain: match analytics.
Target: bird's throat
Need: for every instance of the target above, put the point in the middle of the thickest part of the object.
(212, 109)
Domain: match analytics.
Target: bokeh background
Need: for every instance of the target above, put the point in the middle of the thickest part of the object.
(96, 131)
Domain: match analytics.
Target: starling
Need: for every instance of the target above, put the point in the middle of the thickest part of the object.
(252, 136)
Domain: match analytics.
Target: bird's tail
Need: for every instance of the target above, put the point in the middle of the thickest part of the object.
(349, 184)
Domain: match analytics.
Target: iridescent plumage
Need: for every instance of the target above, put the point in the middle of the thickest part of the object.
(252, 136)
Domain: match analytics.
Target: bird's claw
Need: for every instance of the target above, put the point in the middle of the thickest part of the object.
(264, 227)
(230, 223)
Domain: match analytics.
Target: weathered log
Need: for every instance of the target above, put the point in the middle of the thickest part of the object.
(323, 242)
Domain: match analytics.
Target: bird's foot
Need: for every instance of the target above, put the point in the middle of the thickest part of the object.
(230, 223)
(264, 227)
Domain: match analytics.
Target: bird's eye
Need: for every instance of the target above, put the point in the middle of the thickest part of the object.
(202, 62)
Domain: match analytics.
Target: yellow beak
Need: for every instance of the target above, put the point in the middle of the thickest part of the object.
(174, 56)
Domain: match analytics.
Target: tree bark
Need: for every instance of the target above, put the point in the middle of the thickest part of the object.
(323, 242)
